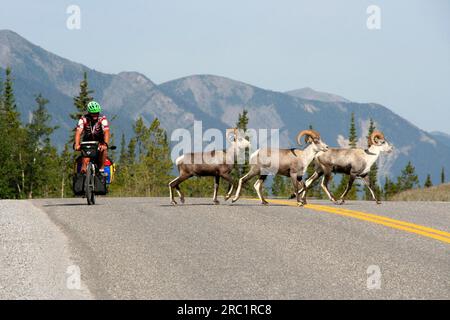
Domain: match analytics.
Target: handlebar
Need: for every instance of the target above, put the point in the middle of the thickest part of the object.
(89, 145)
(90, 148)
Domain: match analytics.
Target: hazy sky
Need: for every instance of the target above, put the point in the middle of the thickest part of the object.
(278, 45)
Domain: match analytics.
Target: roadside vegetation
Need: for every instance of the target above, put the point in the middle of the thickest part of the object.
(32, 167)
(437, 193)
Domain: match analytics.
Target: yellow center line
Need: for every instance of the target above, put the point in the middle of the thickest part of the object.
(370, 217)
(386, 219)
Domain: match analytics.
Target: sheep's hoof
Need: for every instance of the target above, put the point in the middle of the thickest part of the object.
(264, 203)
(226, 198)
(234, 200)
(216, 202)
(173, 202)
(182, 200)
(342, 202)
(378, 202)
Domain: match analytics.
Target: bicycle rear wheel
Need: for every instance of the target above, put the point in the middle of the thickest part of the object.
(90, 184)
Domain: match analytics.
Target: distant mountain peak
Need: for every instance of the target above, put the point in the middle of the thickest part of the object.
(209, 78)
(311, 94)
(6, 33)
(136, 77)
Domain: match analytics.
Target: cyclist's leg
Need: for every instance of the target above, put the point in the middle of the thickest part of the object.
(102, 155)
(84, 163)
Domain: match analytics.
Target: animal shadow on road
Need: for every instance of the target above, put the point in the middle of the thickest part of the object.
(68, 205)
(220, 205)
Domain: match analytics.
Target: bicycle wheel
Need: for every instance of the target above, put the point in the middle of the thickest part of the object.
(90, 184)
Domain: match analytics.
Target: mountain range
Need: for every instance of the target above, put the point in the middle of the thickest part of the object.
(216, 101)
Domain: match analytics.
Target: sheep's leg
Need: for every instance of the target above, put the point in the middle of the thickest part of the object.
(180, 194)
(367, 183)
(295, 183)
(258, 187)
(228, 178)
(326, 179)
(243, 180)
(308, 183)
(171, 186)
(305, 186)
(301, 186)
(347, 190)
(216, 189)
(174, 184)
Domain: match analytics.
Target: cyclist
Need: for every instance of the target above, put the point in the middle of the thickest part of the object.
(93, 127)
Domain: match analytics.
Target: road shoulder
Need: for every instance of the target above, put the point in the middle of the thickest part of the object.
(35, 259)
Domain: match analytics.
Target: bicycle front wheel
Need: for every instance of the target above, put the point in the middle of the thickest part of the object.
(90, 184)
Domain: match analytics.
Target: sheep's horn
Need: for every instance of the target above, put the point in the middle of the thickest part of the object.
(375, 135)
(311, 133)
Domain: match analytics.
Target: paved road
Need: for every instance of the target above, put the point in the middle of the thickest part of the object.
(144, 248)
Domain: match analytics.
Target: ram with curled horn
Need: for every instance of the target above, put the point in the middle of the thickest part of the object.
(216, 163)
(286, 162)
(355, 162)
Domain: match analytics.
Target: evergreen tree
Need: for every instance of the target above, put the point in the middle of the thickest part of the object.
(141, 135)
(125, 176)
(443, 176)
(390, 189)
(149, 173)
(66, 168)
(373, 180)
(131, 152)
(242, 120)
(280, 186)
(241, 169)
(353, 139)
(39, 151)
(84, 97)
(12, 175)
(123, 152)
(157, 163)
(428, 182)
(408, 178)
(80, 102)
(28, 161)
(315, 190)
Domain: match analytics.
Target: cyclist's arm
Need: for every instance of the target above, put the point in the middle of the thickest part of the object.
(107, 135)
(78, 132)
(105, 128)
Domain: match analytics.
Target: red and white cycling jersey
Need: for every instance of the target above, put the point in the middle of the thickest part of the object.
(93, 131)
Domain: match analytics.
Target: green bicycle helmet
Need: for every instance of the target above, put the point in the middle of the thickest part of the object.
(94, 107)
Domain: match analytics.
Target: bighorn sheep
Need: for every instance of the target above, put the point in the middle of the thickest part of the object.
(354, 162)
(287, 162)
(214, 163)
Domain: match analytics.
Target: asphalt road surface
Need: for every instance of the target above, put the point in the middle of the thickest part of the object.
(143, 248)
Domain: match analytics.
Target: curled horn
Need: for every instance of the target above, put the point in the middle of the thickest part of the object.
(312, 133)
(376, 135)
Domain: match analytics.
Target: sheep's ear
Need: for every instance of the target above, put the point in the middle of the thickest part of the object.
(231, 135)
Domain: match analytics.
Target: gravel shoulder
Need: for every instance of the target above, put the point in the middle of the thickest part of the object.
(35, 259)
